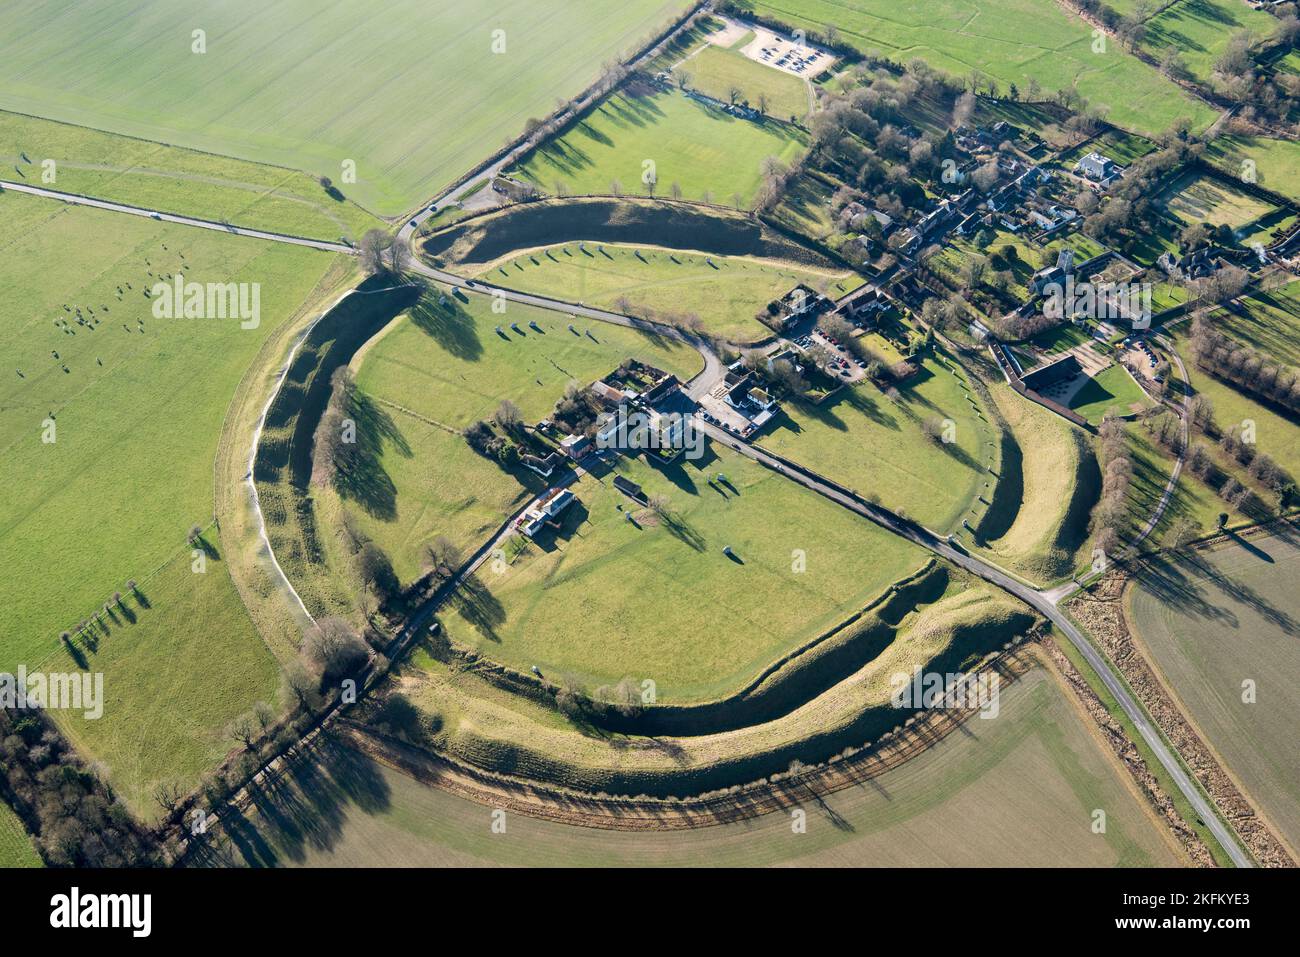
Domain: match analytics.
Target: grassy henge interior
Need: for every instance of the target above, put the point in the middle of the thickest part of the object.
(724, 291)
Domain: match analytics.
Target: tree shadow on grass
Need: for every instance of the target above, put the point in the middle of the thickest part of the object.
(679, 528)
(450, 325)
(1173, 584)
(478, 606)
(360, 476)
(303, 809)
(675, 472)
(563, 157)
(855, 398)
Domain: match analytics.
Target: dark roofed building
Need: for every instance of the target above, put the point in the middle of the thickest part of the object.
(1062, 370)
(630, 489)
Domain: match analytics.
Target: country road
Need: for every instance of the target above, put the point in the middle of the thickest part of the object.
(705, 380)
(76, 199)
(1171, 486)
(702, 382)
(1031, 596)
(489, 170)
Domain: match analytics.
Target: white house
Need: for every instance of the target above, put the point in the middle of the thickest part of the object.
(1097, 167)
(544, 510)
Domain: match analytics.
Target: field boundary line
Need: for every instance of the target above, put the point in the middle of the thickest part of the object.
(1104, 606)
(113, 206)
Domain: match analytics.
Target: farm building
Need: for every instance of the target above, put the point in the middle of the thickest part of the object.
(543, 465)
(1062, 370)
(630, 489)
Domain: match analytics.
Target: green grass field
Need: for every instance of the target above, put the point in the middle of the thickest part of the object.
(715, 71)
(1268, 321)
(440, 368)
(1276, 433)
(414, 96)
(705, 151)
(1214, 621)
(1019, 791)
(1194, 198)
(1193, 501)
(1200, 30)
(152, 176)
(725, 292)
(138, 404)
(1275, 164)
(804, 207)
(1113, 388)
(16, 848)
(177, 671)
(876, 446)
(708, 622)
(502, 731)
(1010, 41)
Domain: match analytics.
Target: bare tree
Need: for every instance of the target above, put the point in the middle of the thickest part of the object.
(442, 557)
(397, 257)
(964, 109)
(264, 715)
(244, 729)
(375, 569)
(374, 245)
(334, 646)
(508, 416)
(168, 795)
(303, 686)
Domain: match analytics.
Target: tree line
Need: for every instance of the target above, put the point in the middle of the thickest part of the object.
(69, 808)
(1251, 370)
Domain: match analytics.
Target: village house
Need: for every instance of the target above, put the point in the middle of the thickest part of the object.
(545, 511)
(575, 446)
(863, 306)
(543, 465)
(799, 302)
(753, 402)
(1098, 168)
(1052, 217)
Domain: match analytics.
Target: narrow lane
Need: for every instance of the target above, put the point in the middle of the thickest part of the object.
(75, 199)
(1032, 597)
